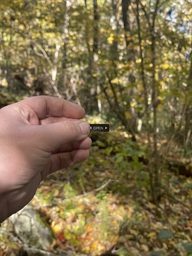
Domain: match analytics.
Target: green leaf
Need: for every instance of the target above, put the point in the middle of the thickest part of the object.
(189, 185)
(154, 253)
(100, 144)
(188, 247)
(119, 159)
(165, 234)
(122, 251)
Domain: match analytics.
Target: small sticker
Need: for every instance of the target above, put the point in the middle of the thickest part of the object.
(99, 127)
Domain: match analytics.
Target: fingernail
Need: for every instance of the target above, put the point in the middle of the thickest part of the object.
(85, 128)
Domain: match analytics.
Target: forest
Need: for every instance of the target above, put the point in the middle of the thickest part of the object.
(129, 64)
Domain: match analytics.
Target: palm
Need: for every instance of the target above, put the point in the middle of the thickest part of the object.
(46, 138)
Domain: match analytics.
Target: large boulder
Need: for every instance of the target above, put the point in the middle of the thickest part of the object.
(30, 228)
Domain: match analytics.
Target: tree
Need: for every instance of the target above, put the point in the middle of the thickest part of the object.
(131, 64)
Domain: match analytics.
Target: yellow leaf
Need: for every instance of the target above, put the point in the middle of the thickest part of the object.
(56, 227)
(133, 104)
(152, 235)
(97, 247)
(165, 65)
(67, 234)
(138, 61)
(110, 39)
(88, 228)
(128, 115)
(116, 81)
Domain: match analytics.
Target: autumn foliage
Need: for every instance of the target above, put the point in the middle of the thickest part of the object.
(129, 64)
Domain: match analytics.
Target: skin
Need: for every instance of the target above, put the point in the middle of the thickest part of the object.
(38, 136)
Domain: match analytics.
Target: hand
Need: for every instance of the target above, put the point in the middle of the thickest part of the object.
(38, 136)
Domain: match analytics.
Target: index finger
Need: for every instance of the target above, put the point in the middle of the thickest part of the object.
(45, 106)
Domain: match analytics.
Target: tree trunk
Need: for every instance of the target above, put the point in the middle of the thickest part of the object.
(95, 56)
(188, 112)
(155, 155)
(115, 27)
(127, 29)
(95, 29)
(150, 92)
(65, 41)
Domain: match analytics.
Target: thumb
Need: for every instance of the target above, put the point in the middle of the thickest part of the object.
(53, 136)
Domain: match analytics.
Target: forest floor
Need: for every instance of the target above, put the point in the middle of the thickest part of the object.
(103, 206)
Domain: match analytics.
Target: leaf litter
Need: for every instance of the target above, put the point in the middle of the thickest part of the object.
(102, 207)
